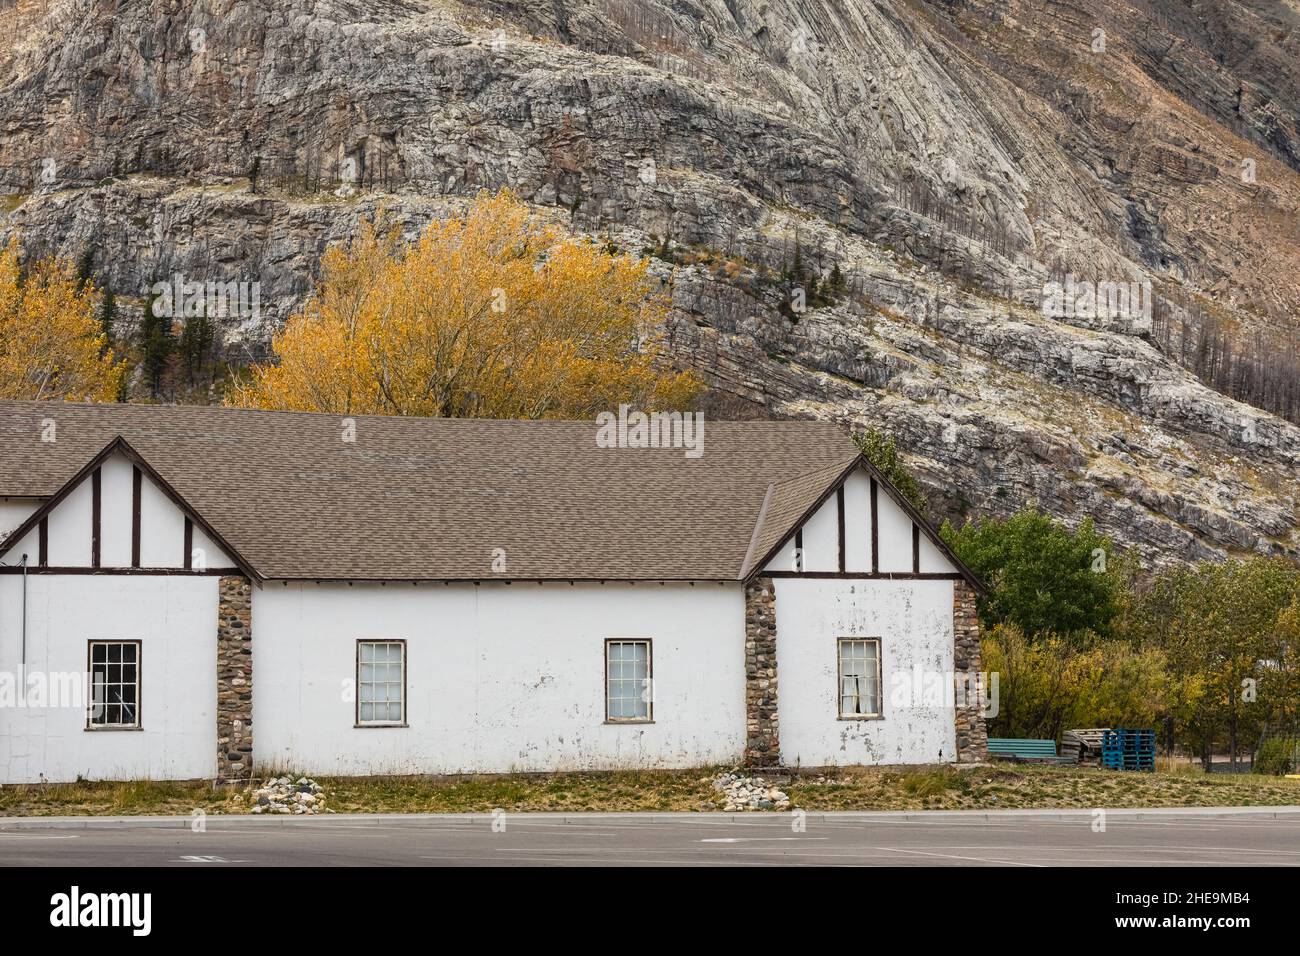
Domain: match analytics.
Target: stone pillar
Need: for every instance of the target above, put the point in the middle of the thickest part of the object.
(972, 737)
(234, 679)
(762, 729)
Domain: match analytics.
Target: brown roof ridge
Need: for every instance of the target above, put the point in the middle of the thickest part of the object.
(183, 408)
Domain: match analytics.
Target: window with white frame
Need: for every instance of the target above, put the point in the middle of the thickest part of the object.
(859, 677)
(628, 681)
(381, 683)
(114, 685)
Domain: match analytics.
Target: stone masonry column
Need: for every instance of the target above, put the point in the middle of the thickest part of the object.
(762, 729)
(972, 737)
(234, 679)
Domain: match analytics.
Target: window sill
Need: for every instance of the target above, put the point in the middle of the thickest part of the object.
(624, 722)
(861, 717)
(111, 729)
(380, 726)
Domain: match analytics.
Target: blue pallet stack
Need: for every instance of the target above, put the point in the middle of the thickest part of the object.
(1126, 749)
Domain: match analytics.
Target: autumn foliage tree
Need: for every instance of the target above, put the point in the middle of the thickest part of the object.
(52, 344)
(493, 315)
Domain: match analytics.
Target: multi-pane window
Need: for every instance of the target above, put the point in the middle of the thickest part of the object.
(628, 686)
(114, 684)
(859, 677)
(381, 682)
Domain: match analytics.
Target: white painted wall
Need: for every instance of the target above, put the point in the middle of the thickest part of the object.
(69, 529)
(913, 620)
(499, 677)
(14, 511)
(821, 538)
(174, 618)
(895, 534)
(933, 560)
(206, 553)
(857, 522)
(115, 513)
(162, 529)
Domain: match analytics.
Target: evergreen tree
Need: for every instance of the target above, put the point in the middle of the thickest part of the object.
(107, 316)
(156, 345)
(197, 338)
(85, 268)
(837, 279)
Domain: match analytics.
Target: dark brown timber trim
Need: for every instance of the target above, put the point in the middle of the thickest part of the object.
(916, 548)
(875, 531)
(879, 575)
(839, 510)
(189, 544)
(43, 543)
(798, 549)
(136, 481)
(95, 510)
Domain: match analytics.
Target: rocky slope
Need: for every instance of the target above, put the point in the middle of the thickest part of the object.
(949, 158)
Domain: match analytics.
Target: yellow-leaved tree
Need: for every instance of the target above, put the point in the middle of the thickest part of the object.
(491, 315)
(51, 343)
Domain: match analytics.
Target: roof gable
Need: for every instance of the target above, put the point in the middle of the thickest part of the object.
(927, 553)
(82, 478)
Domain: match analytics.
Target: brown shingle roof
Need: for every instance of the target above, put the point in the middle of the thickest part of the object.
(416, 498)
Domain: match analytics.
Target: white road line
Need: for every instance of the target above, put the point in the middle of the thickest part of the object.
(39, 836)
(622, 859)
(208, 859)
(466, 828)
(759, 839)
(950, 856)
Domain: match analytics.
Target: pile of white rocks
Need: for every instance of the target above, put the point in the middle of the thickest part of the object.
(749, 793)
(282, 795)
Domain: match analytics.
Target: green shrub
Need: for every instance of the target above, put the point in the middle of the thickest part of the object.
(1277, 756)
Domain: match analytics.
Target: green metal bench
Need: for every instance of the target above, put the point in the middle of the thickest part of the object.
(1025, 751)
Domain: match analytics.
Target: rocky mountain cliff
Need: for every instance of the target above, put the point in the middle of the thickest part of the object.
(930, 164)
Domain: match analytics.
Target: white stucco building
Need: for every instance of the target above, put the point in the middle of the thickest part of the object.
(197, 592)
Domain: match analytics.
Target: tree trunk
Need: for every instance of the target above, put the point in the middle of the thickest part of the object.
(1232, 740)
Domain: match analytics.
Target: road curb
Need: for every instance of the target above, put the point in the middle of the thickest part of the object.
(225, 821)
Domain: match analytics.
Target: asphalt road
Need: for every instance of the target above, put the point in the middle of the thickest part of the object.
(940, 839)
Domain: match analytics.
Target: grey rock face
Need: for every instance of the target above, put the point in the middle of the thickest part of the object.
(948, 158)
